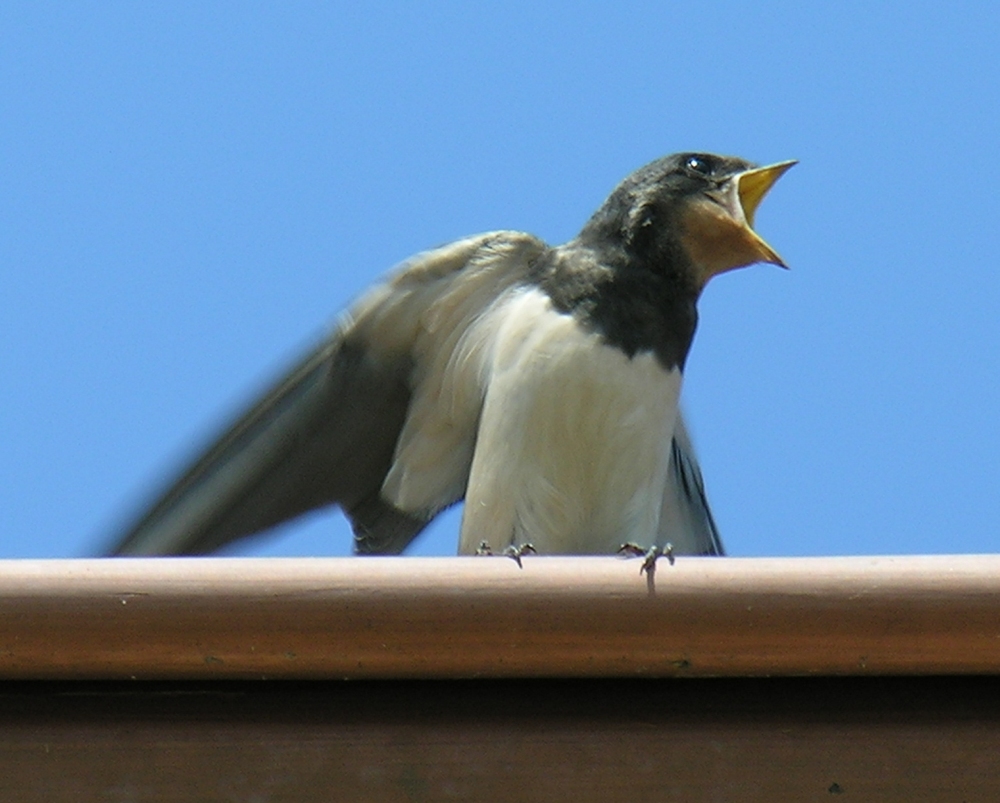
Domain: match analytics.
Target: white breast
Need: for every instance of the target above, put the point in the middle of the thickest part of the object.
(574, 441)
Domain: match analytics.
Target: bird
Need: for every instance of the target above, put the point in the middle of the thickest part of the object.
(540, 384)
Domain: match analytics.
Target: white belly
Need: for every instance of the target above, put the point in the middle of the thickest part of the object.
(574, 441)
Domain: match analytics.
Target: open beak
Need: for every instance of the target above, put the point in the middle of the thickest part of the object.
(752, 186)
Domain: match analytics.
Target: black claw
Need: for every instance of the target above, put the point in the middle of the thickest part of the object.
(516, 552)
(654, 554)
(512, 552)
(649, 558)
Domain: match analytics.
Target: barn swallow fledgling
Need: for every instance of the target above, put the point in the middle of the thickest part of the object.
(540, 384)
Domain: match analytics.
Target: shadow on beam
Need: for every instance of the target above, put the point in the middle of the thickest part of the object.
(582, 740)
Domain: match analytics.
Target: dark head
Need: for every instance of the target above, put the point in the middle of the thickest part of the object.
(689, 215)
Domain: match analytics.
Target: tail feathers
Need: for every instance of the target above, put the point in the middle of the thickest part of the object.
(686, 520)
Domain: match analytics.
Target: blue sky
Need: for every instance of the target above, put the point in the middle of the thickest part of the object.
(191, 192)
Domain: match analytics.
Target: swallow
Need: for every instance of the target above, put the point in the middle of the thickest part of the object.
(540, 384)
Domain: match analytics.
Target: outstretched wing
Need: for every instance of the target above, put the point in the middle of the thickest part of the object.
(686, 520)
(395, 390)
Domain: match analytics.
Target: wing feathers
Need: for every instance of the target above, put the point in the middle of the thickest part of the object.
(324, 434)
(328, 431)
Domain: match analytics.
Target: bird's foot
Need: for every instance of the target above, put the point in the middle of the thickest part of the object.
(650, 556)
(512, 552)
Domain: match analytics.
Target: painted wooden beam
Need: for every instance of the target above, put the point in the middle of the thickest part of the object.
(441, 618)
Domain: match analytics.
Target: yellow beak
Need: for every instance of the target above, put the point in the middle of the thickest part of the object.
(752, 186)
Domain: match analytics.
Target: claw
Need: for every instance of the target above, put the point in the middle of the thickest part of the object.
(515, 552)
(512, 552)
(649, 556)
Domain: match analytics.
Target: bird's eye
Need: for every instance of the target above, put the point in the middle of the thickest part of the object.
(698, 165)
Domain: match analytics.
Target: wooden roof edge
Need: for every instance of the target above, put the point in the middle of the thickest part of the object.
(295, 618)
